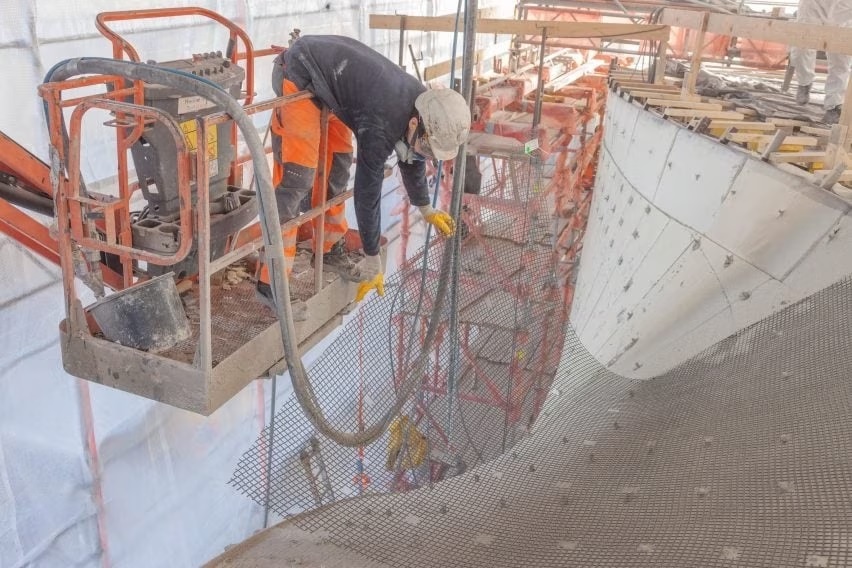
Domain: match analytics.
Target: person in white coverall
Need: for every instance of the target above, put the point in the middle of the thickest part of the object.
(826, 13)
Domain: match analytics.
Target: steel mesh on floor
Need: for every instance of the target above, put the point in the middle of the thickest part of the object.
(237, 315)
(738, 457)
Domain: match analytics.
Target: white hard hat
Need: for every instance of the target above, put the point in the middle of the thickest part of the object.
(446, 119)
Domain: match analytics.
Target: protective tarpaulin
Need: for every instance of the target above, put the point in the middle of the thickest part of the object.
(762, 94)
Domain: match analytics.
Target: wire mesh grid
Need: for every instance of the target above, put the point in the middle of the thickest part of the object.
(737, 457)
(236, 317)
(511, 326)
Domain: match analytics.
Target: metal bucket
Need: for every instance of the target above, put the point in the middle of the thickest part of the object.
(148, 316)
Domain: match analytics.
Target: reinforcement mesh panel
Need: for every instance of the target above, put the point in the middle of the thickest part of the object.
(511, 327)
(741, 456)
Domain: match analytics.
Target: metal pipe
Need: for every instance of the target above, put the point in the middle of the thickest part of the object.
(455, 210)
(322, 182)
(401, 62)
(414, 62)
(540, 84)
(26, 199)
(269, 444)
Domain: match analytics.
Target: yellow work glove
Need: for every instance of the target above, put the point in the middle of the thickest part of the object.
(370, 277)
(441, 220)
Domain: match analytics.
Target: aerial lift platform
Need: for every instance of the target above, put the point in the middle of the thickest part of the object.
(177, 240)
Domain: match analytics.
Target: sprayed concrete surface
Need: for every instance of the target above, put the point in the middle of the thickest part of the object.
(690, 240)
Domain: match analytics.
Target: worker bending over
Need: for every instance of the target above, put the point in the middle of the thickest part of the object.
(387, 110)
(826, 13)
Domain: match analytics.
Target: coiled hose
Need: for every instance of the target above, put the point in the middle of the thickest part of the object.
(271, 229)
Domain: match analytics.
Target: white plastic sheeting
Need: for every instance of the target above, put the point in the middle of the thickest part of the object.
(162, 472)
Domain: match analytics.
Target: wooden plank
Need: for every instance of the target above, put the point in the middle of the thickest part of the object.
(836, 147)
(691, 113)
(744, 137)
(786, 122)
(776, 142)
(523, 27)
(813, 36)
(829, 177)
(660, 69)
(647, 86)
(816, 131)
(846, 118)
(663, 96)
(845, 176)
(743, 125)
(796, 157)
(683, 104)
(695, 64)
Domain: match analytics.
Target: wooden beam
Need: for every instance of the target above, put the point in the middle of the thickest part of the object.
(744, 137)
(777, 140)
(797, 157)
(845, 176)
(742, 125)
(683, 104)
(695, 65)
(786, 121)
(691, 113)
(816, 131)
(662, 95)
(836, 145)
(846, 117)
(812, 36)
(523, 27)
(827, 178)
(646, 86)
(660, 66)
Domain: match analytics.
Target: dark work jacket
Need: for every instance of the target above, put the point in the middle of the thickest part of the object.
(374, 97)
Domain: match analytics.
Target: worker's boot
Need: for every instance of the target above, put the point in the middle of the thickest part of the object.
(803, 94)
(263, 291)
(832, 115)
(337, 260)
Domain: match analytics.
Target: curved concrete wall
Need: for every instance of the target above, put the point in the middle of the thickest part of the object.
(690, 240)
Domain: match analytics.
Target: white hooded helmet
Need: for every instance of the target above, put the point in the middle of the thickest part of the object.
(446, 119)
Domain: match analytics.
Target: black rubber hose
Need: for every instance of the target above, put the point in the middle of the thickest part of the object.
(26, 199)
